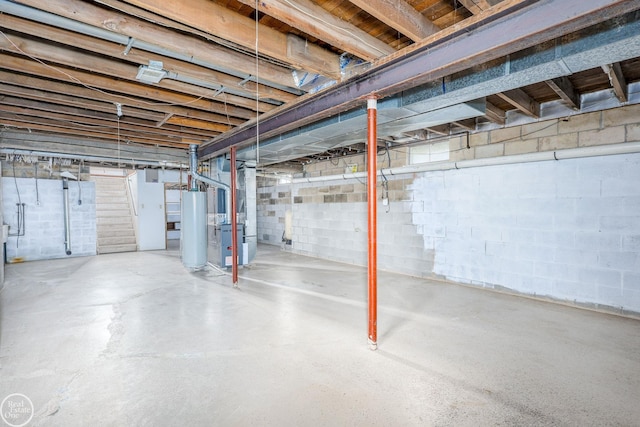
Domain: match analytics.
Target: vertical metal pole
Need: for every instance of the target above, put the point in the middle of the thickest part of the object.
(234, 219)
(372, 208)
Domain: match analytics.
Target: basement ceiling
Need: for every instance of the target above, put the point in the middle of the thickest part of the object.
(156, 76)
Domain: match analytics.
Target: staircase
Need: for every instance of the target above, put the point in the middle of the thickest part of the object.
(114, 219)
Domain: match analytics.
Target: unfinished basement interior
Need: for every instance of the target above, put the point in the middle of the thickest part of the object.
(320, 212)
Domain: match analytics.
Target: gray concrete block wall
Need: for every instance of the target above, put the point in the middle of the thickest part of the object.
(336, 228)
(44, 234)
(273, 200)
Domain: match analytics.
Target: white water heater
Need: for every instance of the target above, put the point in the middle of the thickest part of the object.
(193, 240)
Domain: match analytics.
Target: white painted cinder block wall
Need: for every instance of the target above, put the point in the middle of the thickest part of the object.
(569, 229)
(44, 234)
(566, 229)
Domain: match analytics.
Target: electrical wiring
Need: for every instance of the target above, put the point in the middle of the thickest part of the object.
(80, 82)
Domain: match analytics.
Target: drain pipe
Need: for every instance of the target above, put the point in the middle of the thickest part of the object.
(193, 170)
(67, 219)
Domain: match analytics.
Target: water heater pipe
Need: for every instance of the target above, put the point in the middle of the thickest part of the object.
(193, 170)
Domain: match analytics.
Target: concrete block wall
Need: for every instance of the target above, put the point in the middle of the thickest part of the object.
(568, 230)
(44, 233)
(273, 200)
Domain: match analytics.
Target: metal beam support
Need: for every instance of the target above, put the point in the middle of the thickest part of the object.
(234, 219)
(493, 36)
(372, 202)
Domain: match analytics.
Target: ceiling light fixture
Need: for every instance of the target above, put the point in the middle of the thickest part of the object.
(151, 73)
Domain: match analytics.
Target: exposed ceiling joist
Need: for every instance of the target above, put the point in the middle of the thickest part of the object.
(65, 94)
(31, 142)
(141, 57)
(475, 6)
(222, 22)
(434, 58)
(523, 102)
(223, 59)
(440, 129)
(400, 15)
(310, 18)
(52, 126)
(495, 114)
(618, 82)
(93, 51)
(123, 91)
(564, 89)
(120, 70)
(468, 124)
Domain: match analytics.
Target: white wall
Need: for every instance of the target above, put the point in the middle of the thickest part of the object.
(151, 208)
(569, 229)
(44, 237)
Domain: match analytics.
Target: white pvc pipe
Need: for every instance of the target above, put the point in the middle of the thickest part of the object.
(569, 153)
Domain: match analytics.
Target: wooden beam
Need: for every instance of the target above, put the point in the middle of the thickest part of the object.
(164, 120)
(468, 124)
(197, 124)
(123, 91)
(33, 94)
(147, 31)
(98, 64)
(57, 128)
(400, 15)
(141, 57)
(523, 102)
(66, 144)
(225, 23)
(440, 129)
(93, 118)
(475, 6)
(87, 126)
(563, 87)
(312, 19)
(618, 82)
(65, 94)
(495, 114)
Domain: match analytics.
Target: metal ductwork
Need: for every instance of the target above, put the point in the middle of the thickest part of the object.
(193, 170)
(441, 75)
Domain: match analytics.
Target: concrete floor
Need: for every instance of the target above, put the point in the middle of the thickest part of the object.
(134, 339)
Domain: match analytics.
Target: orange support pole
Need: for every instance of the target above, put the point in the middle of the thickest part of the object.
(372, 208)
(234, 219)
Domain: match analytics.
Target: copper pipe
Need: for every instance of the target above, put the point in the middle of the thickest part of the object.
(372, 209)
(234, 219)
